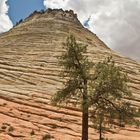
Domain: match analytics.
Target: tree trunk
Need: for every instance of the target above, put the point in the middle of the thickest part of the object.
(100, 130)
(85, 114)
(85, 124)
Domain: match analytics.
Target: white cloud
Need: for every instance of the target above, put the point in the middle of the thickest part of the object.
(5, 22)
(117, 23)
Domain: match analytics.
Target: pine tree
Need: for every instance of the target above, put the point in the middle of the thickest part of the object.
(76, 68)
(108, 99)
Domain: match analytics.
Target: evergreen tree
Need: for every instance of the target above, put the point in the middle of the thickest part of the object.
(108, 99)
(76, 68)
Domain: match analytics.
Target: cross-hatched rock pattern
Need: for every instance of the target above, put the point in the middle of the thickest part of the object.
(29, 76)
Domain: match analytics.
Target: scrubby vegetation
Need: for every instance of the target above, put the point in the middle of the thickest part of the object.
(102, 87)
(46, 137)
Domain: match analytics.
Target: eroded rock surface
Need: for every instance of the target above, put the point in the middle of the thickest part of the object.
(29, 77)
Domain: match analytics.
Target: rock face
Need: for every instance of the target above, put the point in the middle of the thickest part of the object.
(29, 77)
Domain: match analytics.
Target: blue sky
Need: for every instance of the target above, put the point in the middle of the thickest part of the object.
(20, 9)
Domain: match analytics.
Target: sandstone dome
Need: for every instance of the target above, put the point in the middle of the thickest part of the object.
(29, 77)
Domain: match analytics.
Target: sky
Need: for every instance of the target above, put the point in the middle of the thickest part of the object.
(116, 22)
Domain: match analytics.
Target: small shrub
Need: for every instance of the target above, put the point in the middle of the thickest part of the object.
(3, 127)
(17, 23)
(11, 128)
(42, 11)
(32, 132)
(4, 104)
(46, 137)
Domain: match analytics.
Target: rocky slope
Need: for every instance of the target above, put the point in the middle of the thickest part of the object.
(29, 77)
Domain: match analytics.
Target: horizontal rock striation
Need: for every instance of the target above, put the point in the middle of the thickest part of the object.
(29, 76)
